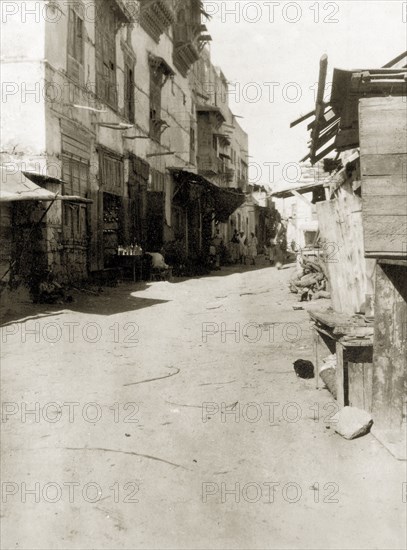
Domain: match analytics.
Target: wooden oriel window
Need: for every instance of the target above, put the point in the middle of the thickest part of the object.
(106, 27)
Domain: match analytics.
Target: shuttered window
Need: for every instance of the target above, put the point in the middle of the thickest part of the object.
(105, 45)
(111, 173)
(75, 45)
(129, 99)
(75, 174)
(156, 78)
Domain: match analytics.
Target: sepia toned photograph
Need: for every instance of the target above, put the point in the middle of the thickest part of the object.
(203, 275)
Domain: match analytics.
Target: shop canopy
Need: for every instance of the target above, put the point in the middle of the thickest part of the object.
(318, 182)
(22, 186)
(224, 200)
(15, 186)
(297, 190)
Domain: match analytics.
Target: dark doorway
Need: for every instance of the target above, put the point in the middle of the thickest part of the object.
(112, 227)
(155, 223)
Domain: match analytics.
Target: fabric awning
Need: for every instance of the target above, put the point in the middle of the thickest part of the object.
(42, 179)
(223, 200)
(301, 189)
(22, 186)
(74, 198)
(15, 186)
(227, 201)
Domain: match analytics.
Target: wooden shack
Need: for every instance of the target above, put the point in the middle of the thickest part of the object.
(365, 219)
(383, 147)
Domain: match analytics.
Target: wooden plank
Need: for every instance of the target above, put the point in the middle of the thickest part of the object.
(354, 248)
(301, 119)
(355, 377)
(383, 125)
(324, 153)
(334, 319)
(75, 147)
(386, 234)
(6, 238)
(326, 213)
(75, 140)
(317, 357)
(384, 205)
(319, 105)
(347, 138)
(393, 258)
(396, 60)
(301, 197)
(340, 224)
(351, 248)
(384, 185)
(393, 85)
(384, 165)
(393, 262)
(389, 357)
(360, 368)
(367, 386)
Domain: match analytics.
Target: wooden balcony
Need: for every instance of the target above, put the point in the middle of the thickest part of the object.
(189, 40)
(208, 164)
(156, 16)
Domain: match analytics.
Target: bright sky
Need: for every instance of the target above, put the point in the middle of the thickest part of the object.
(270, 52)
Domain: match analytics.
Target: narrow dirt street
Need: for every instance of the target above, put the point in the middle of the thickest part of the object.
(168, 415)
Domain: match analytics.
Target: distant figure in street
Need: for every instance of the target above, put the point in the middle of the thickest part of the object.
(272, 250)
(281, 243)
(234, 247)
(157, 267)
(215, 248)
(253, 243)
(242, 248)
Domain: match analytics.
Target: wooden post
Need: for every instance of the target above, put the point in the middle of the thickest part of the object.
(186, 233)
(316, 345)
(340, 375)
(319, 104)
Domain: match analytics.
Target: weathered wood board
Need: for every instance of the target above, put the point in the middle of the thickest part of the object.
(360, 379)
(340, 226)
(383, 146)
(389, 355)
(383, 125)
(386, 235)
(389, 166)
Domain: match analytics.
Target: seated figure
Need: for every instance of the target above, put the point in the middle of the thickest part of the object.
(158, 265)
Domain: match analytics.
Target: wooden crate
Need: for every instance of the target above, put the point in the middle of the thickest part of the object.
(383, 150)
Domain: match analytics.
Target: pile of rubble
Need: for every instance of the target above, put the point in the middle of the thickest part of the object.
(311, 280)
